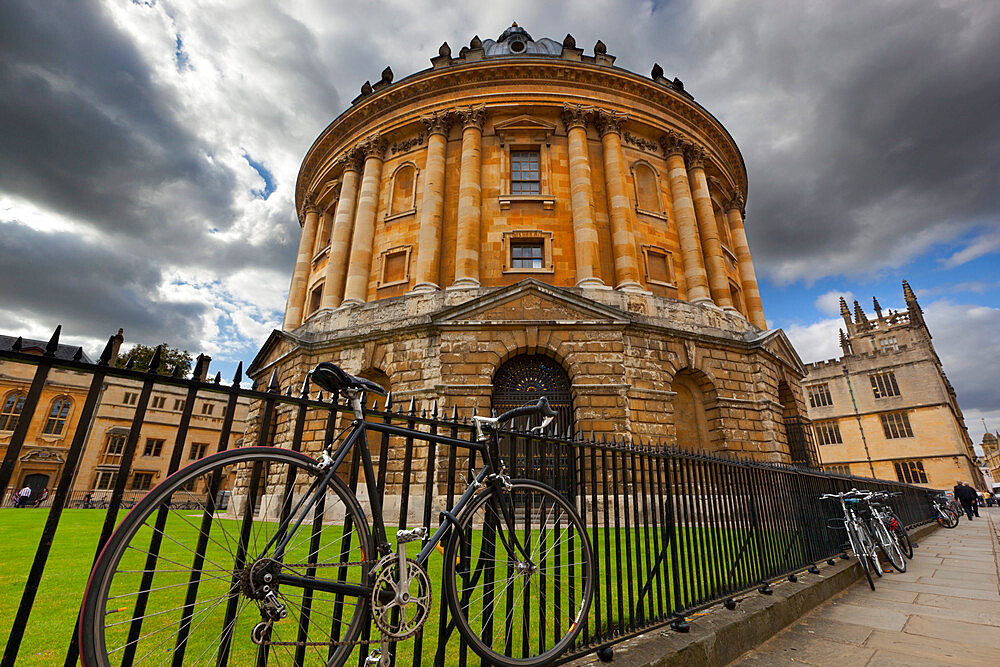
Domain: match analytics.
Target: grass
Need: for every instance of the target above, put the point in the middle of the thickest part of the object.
(701, 554)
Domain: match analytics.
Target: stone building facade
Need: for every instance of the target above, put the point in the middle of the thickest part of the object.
(526, 217)
(886, 408)
(990, 461)
(55, 423)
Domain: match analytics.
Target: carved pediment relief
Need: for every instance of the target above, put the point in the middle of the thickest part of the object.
(777, 343)
(524, 126)
(532, 301)
(43, 456)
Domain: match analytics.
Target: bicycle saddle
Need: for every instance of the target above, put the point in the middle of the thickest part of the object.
(334, 379)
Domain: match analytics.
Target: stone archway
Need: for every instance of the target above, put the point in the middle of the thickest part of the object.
(691, 410)
(797, 431)
(521, 380)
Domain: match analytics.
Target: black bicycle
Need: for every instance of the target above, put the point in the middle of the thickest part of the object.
(289, 572)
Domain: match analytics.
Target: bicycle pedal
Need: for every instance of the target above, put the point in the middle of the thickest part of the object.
(404, 536)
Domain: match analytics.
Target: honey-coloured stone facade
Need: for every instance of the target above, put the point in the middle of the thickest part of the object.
(508, 203)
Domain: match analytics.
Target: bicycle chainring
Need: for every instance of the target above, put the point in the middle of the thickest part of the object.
(400, 611)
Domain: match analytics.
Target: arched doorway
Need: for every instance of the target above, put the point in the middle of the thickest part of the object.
(523, 380)
(690, 415)
(797, 431)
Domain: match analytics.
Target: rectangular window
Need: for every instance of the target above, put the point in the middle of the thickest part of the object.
(884, 384)
(153, 447)
(911, 472)
(840, 469)
(888, 344)
(527, 254)
(819, 395)
(827, 433)
(395, 266)
(198, 450)
(116, 443)
(206, 408)
(158, 402)
(142, 481)
(130, 398)
(525, 177)
(896, 425)
(315, 299)
(178, 404)
(105, 480)
(658, 267)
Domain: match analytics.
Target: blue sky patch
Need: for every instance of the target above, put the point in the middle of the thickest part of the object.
(263, 172)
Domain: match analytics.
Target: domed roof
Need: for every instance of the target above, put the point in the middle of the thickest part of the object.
(515, 41)
(989, 437)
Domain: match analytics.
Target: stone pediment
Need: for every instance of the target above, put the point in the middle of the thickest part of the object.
(523, 125)
(530, 301)
(776, 342)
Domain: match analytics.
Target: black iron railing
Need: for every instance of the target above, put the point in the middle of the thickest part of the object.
(673, 531)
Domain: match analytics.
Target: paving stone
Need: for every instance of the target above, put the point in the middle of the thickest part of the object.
(884, 658)
(891, 594)
(948, 602)
(872, 617)
(972, 594)
(928, 648)
(963, 576)
(977, 634)
(815, 651)
(987, 582)
(847, 633)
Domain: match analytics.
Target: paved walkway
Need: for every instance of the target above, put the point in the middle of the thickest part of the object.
(944, 610)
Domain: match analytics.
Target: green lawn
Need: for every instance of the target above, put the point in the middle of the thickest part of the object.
(705, 553)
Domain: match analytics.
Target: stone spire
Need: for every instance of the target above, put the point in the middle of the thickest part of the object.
(845, 344)
(859, 315)
(878, 308)
(845, 313)
(911, 298)
(913, 308)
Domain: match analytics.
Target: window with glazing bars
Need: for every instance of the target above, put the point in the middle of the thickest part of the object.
(142, 481)
(153, 447)
(896, 425)
(819, 395)
(884, 384)
(527, 254)
(911, 472)
(827, 433)
(524, 173)
(11, 410)
(57, 417)
(840, 470)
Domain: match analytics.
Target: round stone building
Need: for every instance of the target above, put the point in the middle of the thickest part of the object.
(524, 218)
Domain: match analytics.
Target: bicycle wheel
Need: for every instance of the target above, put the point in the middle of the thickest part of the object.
(900, 535)
(512, 610)
(887, 545)
(853, 535)
(199, 598)
(947, 518)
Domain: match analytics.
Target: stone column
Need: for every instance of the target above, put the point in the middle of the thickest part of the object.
(343, 224)
(360, 266)
(622, 215)
(432, 204)
(582, 197)
(303, 262)
(695, 278)
(718, 283)
(467, 240)
(748, 279)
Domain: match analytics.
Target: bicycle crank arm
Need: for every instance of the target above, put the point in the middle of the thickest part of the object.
(324, 585)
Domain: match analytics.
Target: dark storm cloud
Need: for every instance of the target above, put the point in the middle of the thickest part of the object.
(85, 130)
(869, 129)
(93, 290)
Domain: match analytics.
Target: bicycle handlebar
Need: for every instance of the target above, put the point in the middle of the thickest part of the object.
(542, 407)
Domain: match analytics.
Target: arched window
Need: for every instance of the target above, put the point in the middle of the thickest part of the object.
(723, 224)
(647, 189)
(404, 182)
(11, 410)
(57, 417)
(323, 234)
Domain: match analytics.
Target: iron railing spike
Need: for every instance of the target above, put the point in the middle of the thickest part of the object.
(78, 355)
(53, 344)
(218, 378)
(288, 389)
(454, 413)
(388, 401)
(434, 410)
(106, 354)
(130, 363)
(154, 361)
(177, 371)
(319, 397)
(272, 383)
(413, 405)
(375, 405)
(199, 367)
(238, 377)
(16, 347)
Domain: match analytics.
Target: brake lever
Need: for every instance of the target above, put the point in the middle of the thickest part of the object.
(544, 425)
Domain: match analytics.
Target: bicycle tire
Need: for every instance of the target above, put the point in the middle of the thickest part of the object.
(887, 545)
(857, 547)
(565, 570)
(947, 518)
(901, 536)
(141, 607)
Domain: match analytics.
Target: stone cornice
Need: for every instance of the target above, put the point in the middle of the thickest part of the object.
(647, 102)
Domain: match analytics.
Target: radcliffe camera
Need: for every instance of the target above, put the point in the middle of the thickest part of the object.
(327, 345)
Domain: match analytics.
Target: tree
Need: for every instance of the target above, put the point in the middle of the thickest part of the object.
(140, 355)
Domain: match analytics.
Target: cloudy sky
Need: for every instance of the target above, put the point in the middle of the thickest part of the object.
(148, 153)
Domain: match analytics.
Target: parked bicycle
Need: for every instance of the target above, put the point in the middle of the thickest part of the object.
(861, 541)
(291, 569)
(880, 502)
(875, 512)
(946, 515)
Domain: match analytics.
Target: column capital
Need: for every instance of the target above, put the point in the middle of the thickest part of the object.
(576, 115)
(694, 156)
(373, 146)
(673, 143)
(472, 117)
(309, 204)
(438, 122)
(736, 202)
(609, 122)
(352, 160)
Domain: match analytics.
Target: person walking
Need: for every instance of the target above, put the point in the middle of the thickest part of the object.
(965, 495)
(22, 496)
(974, 495)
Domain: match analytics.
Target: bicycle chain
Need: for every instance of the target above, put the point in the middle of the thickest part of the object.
(331, 642)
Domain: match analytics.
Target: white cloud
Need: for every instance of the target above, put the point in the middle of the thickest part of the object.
(984, 244)
(829, 302)
(817, 341)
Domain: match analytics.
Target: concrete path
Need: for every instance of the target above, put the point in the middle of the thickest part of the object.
(944, 610)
